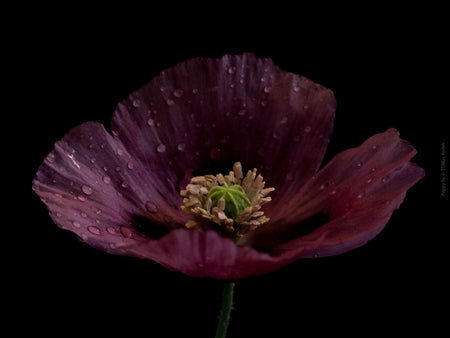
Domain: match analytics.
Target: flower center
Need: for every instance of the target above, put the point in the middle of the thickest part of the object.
(234, 197)
(228, 204)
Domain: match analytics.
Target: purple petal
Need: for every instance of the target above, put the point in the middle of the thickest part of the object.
(359, 189)
(94, 188)
(208, 113)
(207, 254)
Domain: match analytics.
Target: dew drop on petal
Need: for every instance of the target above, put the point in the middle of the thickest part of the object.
(215, 153)
(126, 232)
(151, 207)
(307, 129)
(181, 147)
(267, 89)
(170, 102)
(111, 230)
(136, 103)
(296, 89)
(51, 157)
(359, 164)
(130, 165)
(94, 230)
(86, 189)
(151, 122)
(161, 148)
(178, 93)
(81, 198)
(76, 224)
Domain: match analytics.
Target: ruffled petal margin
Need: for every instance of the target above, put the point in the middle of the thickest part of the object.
(94, 188)
(358, 191)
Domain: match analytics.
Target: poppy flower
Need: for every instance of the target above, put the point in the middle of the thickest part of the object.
(212, 169)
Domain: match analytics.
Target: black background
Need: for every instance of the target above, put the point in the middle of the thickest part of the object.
(385, 70)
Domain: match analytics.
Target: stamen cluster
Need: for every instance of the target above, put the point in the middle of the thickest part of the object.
(197, 203)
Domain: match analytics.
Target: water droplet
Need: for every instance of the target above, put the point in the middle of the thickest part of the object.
(83, 214)
(296, 89)
(86, 189)
(263, 103)
(76, 224)
(151, 122)
(111, 230)
(305, 107)
(194, 91)
(161, 148)
(359, 164)
(124, 185)
(51, 157)
(81, 198)
(170, 102)
(267, 89)
(130, 165)
(151, 207)
(178, 93)
(126, 232)
(231, 70)
(307, 129)
(276, 135)
(284, 120)
(215, 153)
(119, 152)
(94, 230)
(360, 195)
(385, 179)
(58, 195)
(333, 192)
(136, 103)
(181, 147)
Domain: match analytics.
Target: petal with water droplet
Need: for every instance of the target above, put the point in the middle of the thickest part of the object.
(357, 208)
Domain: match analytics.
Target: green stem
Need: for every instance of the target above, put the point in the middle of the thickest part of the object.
(225, 312)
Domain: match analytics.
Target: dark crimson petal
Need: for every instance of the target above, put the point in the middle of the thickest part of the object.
(94, 188)
(348, 230)
(208, 113)
(366, 184)
(207, 254)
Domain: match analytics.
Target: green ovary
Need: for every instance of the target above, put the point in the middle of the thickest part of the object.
(235, 199)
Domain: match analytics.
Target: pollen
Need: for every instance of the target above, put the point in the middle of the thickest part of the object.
(230, 204)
